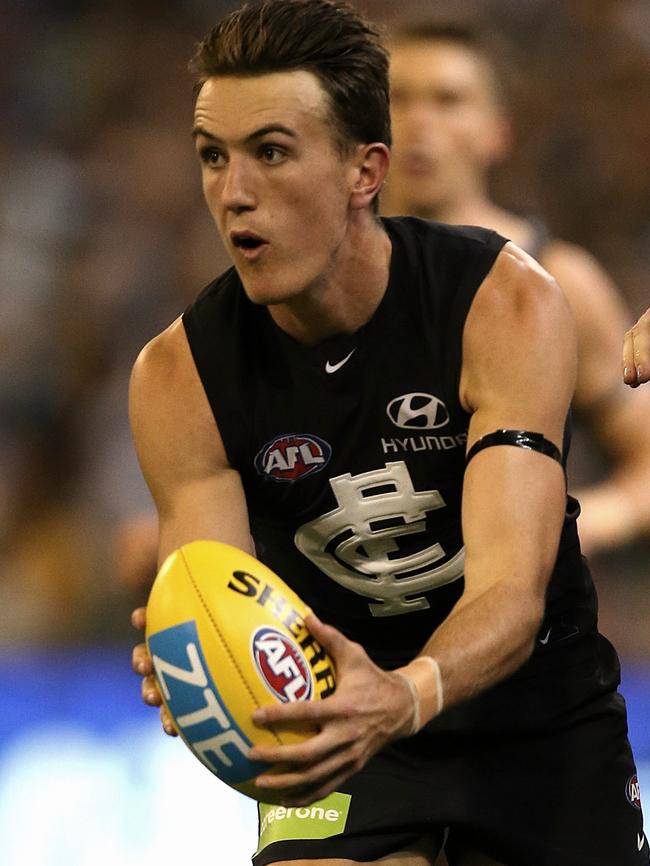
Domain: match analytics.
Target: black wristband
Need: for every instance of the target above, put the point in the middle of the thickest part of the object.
(518, 438)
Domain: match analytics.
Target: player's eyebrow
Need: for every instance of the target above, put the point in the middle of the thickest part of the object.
(257, 133)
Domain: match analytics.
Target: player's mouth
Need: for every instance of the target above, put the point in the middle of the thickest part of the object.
(248, 244)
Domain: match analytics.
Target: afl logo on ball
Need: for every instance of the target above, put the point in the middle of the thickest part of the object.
(281, 665)
(418, 411)
(292, 456)
(633, 792)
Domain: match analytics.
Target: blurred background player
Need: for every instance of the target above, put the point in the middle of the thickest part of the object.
(451, 128)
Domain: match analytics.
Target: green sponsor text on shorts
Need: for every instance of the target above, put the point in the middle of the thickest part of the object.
(322, 819)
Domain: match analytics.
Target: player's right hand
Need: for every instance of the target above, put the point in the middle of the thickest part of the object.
(142, 665)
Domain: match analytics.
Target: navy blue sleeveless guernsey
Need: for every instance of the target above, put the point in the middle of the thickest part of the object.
(352, 452)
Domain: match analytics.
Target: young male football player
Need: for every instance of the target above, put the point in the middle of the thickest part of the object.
(377, 408)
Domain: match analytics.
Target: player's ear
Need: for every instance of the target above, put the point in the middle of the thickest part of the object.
(371, 163)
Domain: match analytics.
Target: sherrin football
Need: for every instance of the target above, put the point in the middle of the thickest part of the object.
(227, 636)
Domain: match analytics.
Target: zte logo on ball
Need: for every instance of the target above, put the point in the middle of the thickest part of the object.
(283, 668)
(200, 712)
(292, 456)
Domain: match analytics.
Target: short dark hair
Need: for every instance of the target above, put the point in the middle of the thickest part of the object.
(326, 37)
(469, 32)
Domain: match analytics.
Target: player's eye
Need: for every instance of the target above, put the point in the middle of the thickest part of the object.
(448, 98)
(272, 154)
(212, 157)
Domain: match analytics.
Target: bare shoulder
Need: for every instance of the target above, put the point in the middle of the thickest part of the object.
(173, 426)
(517, 292)
(519, 335)
(180, 450)
(163, 381)
(165, 360)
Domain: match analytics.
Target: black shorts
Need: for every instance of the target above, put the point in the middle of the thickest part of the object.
(554, 784)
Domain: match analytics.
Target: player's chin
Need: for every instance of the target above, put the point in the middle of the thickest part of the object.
(268, 291)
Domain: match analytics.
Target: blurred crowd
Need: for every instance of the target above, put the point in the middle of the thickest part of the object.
(104, 239)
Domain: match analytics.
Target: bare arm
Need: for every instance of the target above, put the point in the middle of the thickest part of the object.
(181, 454)
(616, 509)
(197, 494)
(518, 373)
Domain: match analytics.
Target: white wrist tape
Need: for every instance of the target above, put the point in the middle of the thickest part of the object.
(415, 720)
(425, 681)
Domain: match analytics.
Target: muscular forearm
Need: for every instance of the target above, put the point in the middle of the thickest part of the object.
(484, 640)
(512, 515)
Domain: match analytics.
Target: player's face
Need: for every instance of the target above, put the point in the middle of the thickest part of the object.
(447, 128)
(276, 184)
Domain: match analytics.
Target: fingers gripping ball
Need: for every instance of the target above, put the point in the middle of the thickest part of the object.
(227, 636)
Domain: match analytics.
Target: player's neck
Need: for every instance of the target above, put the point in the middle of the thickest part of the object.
(346, 297)
(476, 210)
(484, 212)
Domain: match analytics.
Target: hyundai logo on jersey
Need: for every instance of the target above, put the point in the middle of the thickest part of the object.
(293, 456)
(418, 411)
(283, 668)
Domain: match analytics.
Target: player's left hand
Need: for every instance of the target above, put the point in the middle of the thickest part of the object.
(369, 708)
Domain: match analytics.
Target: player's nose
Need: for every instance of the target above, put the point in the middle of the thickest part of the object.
(238, 187)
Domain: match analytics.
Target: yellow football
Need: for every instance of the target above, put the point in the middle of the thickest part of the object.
(226, 636)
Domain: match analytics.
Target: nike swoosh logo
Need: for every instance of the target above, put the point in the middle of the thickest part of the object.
(640, 839)
(332, 368)
(544, 640)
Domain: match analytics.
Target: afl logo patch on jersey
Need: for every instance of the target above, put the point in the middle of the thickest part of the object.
(293, 456)
(281, 665)
(418, 411)
(633, 792)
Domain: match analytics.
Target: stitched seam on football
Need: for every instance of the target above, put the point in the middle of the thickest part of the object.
(215, 625)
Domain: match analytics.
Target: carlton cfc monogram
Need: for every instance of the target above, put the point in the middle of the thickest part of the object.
(352, 545)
